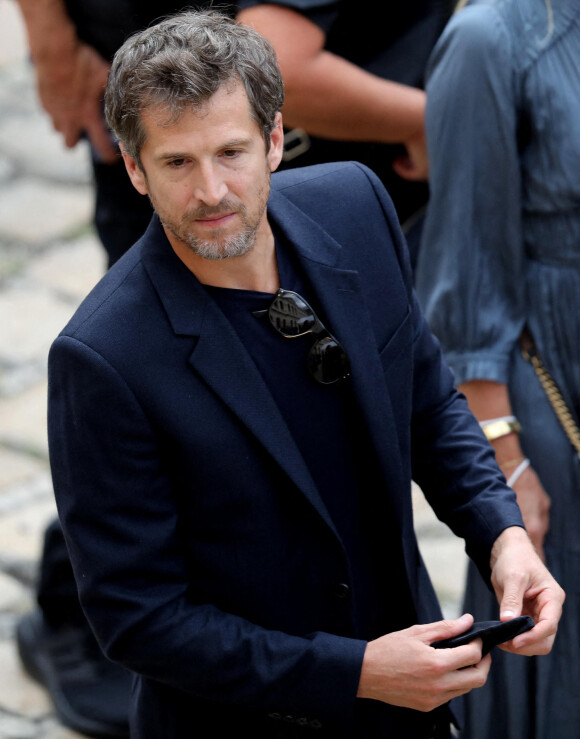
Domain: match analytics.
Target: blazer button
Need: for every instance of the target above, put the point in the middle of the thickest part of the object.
(341, 591)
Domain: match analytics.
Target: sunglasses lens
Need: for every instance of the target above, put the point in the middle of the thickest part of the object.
(327, 361)
(291, 316)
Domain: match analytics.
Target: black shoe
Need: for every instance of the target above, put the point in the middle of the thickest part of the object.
(89, 692)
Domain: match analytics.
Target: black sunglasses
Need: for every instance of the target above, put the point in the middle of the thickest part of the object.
(291, 316)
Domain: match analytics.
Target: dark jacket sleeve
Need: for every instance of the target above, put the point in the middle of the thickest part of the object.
(451, 460)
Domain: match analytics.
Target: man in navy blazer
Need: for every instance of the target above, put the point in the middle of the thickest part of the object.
(236, 413)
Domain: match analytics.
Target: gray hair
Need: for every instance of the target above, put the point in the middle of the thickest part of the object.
(180, 63)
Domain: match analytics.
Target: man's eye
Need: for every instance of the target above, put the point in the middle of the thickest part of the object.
(231, 153)
(176, 163)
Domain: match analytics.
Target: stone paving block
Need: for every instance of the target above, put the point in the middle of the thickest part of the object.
(54, 730)
(18, 378)
(443, 553)
(33, 489)
(37, 149)
(32, 318)
(13, 596)
(426, 522)
(8, 619)
(15, 727)
(36, 213)
(6, 169)
(23, 420)
(16, 468)
(18, 94)
(13, 259)
(36, 210)
(13, 42)
(70, 269)
(22, 532)
(19, 694)
(446, 563)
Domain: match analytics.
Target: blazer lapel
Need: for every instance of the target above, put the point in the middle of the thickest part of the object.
(220, 358)
(341, 295)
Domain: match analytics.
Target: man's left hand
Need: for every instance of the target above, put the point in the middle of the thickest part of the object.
(524, 586)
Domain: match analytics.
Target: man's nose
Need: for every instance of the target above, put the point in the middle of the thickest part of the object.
(210, 186)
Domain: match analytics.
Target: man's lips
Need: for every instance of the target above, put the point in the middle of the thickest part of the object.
(215, 220)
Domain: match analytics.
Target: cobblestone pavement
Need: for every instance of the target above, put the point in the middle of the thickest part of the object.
(49, 259)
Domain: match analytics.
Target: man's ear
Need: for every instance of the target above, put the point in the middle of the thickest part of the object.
(276, 143)
(134, 171)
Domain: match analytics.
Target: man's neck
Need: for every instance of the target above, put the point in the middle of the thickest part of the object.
(257, 270)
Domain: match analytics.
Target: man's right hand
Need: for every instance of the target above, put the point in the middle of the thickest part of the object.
(402, 669)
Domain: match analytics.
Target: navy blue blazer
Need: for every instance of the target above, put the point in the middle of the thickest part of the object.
(205, 558)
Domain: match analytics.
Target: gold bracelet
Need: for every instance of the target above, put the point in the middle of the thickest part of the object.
(497, 429)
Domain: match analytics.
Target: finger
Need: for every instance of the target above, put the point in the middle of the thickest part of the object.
(460, 682)
(529, 649)
(443, 629)
(512, 598)
(101, 141)
(465, 656)
(538, 640)
(71, 133)
(545, 607)
(406, 168)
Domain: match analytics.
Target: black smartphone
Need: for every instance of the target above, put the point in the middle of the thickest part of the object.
(491, 633)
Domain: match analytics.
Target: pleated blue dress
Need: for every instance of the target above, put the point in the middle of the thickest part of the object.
(500, 250)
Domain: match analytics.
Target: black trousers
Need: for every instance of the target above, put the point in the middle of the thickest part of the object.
(121, 213)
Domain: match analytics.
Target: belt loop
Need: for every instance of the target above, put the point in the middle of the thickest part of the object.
(296, 142)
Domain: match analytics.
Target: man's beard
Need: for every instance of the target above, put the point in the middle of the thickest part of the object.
(220, 247)
(234, 246)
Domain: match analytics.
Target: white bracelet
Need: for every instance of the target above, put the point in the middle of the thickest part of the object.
(488, 421)
(517, 472)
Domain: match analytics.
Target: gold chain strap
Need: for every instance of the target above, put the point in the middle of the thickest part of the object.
(530, 354)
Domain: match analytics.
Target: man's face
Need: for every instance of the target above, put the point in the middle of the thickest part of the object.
(208, 174)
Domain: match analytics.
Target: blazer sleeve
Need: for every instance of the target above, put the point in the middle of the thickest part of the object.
(452, 461)
(120, 520)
